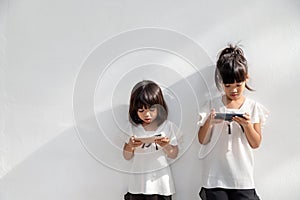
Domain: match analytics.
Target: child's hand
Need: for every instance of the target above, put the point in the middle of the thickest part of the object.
(134, 143)
(162, 141)
(243, 121)
(212, 118)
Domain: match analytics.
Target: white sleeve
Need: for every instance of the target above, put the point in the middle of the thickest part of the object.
(259, 114)
(205, 149)
(204, 113)
(174, 134)
(128, 132)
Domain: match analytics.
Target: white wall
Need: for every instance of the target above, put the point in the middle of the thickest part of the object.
(66, 69)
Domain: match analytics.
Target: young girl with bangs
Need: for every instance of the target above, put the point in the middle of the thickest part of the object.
(151, 141)
(227, 143)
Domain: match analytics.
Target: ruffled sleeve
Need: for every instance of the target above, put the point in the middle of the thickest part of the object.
(174, 132)
(128, 132)
(204, 113)
(259, 114)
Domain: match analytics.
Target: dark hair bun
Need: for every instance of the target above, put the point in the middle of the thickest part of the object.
(232, 51)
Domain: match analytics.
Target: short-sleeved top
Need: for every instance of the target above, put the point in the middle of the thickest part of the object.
(227, 160)
(150, 172)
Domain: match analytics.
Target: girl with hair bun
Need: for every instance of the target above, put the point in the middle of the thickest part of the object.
(230, 128)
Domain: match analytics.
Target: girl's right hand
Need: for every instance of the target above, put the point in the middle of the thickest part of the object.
(134, 143)
(212, 117)
(128, 150)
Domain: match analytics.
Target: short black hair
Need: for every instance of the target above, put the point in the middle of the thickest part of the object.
(147, 94)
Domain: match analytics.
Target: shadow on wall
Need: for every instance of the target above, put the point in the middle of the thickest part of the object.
(108, 134)
(62, 169)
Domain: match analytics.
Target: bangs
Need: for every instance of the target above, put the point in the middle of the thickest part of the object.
(231, 67)
(147, 99)
(231, 74)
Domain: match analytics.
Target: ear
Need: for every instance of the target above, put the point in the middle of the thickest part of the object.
(247, 77)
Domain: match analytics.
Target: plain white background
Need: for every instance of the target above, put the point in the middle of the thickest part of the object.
(44, 45)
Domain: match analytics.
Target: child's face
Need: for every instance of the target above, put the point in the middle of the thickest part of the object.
(147, 115)
(234, 91)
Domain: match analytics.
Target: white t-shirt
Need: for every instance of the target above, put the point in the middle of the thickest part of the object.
(227, 160)
(150, 172)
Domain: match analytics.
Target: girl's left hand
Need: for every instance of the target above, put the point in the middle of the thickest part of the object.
(162, 141)
(244, 121)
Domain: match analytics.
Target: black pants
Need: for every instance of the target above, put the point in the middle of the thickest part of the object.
(228, 194)
(130, 196)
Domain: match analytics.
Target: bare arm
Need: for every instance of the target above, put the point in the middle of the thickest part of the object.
(170, 150)
(253, 134)
(252, 131)
(128, 149)
(204, 133)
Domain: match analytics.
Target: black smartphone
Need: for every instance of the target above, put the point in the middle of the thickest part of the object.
(228, 116)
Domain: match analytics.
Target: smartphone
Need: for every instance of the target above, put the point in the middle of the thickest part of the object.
(150, 139)
(228, 116)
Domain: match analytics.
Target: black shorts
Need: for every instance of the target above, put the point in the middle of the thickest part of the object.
(228, 194)
(129, 196)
